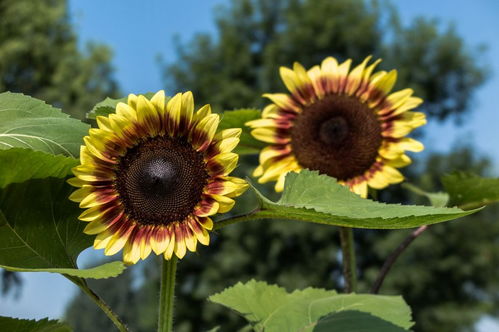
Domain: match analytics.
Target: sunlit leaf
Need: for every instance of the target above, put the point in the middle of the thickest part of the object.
(103, 271)
(19, 165)
(30, 123)
(8, 324)
(470, 191)
(271, 308)
(237, 119)
(39, 228)
(309, 196)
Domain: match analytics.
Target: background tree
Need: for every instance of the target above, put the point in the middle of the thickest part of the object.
(39, 56)
(449, 274)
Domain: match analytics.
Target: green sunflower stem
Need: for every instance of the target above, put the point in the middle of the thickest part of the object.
(167, 294)
(82, 284)
(349, 264)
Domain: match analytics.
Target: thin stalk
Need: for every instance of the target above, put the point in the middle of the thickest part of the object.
(349, 264)
(393, 258)
(167, 294)
(82, 284)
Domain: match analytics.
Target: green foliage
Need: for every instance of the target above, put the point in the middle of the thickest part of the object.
(263, 35)
(40, 57)
(237, 119)
(108, 270)
(105, 107)
(271, 308)
(469, 191)
(354, 321)
(8, 324)
(26, 122)
(19, 165)
(47, 235)
(309, 196)
(437, 199)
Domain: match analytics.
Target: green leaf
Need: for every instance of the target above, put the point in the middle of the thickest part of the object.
(437, 199)
(105, 107)
(470, 191)
(108, 106)
(270, 308)
(103, 271)
(30, 123)
(39, 228)
(19, 165)
(354, 321)
(9, 324)
(309, 196)
(237, 119)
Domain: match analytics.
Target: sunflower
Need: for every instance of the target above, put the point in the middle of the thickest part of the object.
(341, 122)
(152, 174)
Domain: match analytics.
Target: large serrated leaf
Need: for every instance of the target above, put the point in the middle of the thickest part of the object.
(470, 191)
(30, 123)
(237, 119)
(270, 308)
(103, 271)
(19, 165)
(309, 196)
(8, 324)
(39, 228)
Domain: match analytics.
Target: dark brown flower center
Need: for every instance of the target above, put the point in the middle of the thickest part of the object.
(338, 136)
(161, 180)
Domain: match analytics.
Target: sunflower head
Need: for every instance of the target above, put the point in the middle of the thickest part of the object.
(152, 174)
(341, 122)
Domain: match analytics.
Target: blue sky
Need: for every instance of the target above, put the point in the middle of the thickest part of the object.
(140, 31)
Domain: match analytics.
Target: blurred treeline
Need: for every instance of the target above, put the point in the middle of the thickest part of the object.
(449, 276)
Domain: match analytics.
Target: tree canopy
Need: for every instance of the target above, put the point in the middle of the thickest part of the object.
(40, 57)
(254, 37)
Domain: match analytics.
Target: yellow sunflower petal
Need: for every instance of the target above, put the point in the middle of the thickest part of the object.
(402, 161)
(160, 240)
(131, 253)
(102, 240)
(225, 203)
(145, 248)
(329, 66)
(126, 111)
(191, 241)
(382, 178)
(355, 77)
(148, 116)
(103, 123)
(174, 109)
(117, 243)
(188, 106)
(276, 168)
(205, 129)
(132, 100)
(95, 227)
(171, 246)
(203, 236)
(158, 100)
(223, 164)
(180, 247)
